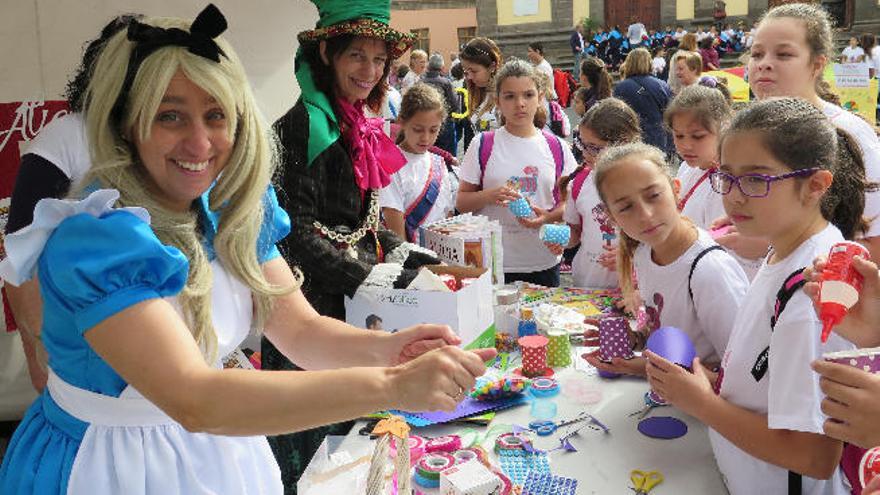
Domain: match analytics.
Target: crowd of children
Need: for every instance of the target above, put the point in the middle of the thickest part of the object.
(758, 195)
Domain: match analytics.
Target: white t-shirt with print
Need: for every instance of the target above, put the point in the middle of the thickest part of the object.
(63, 142)
(719, 285)
(853, 54)
(788, 393)
(705, 206)
(588, 212)
(531, 162)
(408, 183)
(866, 137)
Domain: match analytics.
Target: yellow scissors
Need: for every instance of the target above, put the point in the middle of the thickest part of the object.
(645, 481)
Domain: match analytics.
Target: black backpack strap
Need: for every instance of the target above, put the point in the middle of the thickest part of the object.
(791, 285)
(694, 266)
(794, 483)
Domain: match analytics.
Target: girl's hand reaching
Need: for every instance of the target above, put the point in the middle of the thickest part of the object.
(852, 403)
(501, 195)
(535, 222)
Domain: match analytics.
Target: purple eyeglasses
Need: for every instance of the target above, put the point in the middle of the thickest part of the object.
(752, 185)
(588, 148)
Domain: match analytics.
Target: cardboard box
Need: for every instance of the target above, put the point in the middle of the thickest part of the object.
(467, 240)
(469, 311)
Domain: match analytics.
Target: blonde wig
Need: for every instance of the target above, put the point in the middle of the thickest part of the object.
(238, 192)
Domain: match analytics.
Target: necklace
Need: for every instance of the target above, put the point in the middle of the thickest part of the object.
(370, 224)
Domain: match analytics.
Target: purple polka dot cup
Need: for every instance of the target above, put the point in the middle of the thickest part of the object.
(867, 360)
(614, 338)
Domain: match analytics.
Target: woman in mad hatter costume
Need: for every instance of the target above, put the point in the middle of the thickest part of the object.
(159, 265)
(334, 162)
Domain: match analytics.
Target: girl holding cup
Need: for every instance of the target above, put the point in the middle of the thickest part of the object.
(515, 164)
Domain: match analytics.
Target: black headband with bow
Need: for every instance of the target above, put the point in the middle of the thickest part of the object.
(209, 24)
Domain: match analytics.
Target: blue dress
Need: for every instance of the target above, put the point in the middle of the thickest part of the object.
(89, 432)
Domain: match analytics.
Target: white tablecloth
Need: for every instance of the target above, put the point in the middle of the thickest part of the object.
(603, 462)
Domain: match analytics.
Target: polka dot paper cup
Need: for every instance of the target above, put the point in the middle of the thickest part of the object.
(865, 359)
(520, 208)
(555, 233)
(614, 338)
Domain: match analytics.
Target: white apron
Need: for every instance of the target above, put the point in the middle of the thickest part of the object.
(131, 447)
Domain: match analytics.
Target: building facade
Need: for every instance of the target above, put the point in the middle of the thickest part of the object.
(514, 23)
(441, 26)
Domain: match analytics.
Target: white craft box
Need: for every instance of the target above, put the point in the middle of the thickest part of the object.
(469, 311)
(469, 478)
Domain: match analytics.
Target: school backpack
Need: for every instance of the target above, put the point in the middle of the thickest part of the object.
(487, 141)
(559, 124)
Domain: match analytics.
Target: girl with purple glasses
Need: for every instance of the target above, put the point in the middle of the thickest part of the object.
(789, 177)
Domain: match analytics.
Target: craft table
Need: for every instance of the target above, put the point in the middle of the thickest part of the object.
(603, 462)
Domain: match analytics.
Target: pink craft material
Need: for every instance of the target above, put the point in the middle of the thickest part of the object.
(416, 448)
(534, 354)
(840, 284)
(582, 392)
(448, 443)
(450, 281)
(720, 231)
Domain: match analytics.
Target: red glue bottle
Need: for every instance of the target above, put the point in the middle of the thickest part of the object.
(839, 284)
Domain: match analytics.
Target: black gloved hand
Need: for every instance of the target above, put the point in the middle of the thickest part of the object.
(405, 278)
(418, 259)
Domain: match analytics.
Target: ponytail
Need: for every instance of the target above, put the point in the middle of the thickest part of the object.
(565, 180)
(626, 249)
(844, 203)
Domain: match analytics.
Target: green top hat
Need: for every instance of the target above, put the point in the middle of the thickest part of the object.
(368, 18)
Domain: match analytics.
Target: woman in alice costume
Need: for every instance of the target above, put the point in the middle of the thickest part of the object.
(160, 264)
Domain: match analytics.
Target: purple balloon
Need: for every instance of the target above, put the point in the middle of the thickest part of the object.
(673, 344)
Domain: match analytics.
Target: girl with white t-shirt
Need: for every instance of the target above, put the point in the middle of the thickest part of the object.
(766, 422)
(684, 278)
(792, 46)
(423, 191)
(518, 160)
(696, 116)
(852, 54)
(608, 122)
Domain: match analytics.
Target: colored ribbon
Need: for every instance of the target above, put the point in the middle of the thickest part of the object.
(374, 155)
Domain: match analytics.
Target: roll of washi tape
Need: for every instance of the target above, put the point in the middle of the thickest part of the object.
(448, 443)
(558, 348)
(509, 441)
(430, 465)
(416, 446)
(465, 455)
(534, 355)
(425, 482)
(544, 387)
